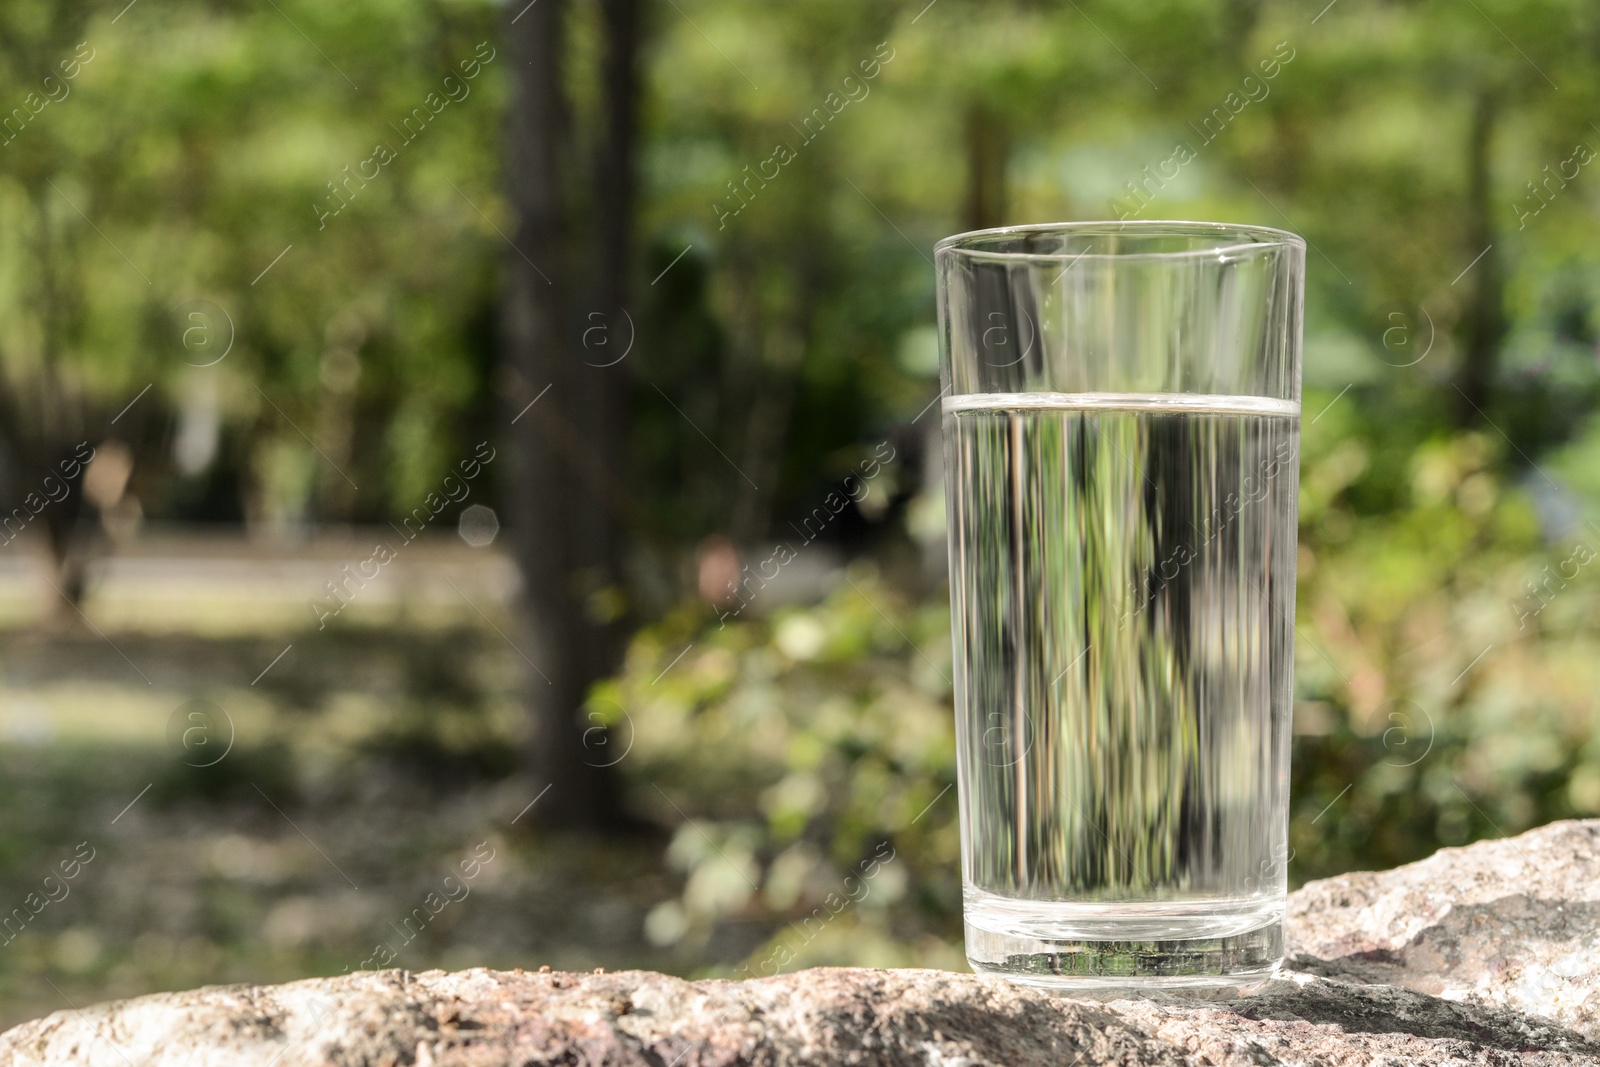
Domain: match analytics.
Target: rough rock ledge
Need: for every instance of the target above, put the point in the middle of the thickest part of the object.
(1487, 954)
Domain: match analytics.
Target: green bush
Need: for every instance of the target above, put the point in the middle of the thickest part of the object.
(1439, 701)
(790, 753)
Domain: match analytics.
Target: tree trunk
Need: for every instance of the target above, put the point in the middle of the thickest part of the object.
(43, 418)
(1483, 325)
(615, 165)
(988, 143)
(566, 447)
(607, 368)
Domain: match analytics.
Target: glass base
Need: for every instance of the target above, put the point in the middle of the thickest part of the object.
(1192, 945)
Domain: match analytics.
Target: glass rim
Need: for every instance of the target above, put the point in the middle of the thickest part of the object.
(1245, 238)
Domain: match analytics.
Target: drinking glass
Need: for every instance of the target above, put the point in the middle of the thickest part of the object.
(1121, 423)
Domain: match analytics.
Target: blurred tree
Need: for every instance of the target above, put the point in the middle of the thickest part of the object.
(199, 221)
(1483, 327)
(53, 395)
(988, 149)
(567, 493)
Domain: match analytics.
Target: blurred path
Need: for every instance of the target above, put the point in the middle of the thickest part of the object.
(223, 582)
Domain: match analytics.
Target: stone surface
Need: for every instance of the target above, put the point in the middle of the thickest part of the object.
(1514, 923)
(1481, 955)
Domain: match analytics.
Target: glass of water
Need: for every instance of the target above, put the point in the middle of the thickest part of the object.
(1121, 425)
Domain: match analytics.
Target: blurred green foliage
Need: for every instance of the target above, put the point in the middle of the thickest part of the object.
(1422, 147)
(803, 194)
(1444, 685)
(200, 142)
(787, 751)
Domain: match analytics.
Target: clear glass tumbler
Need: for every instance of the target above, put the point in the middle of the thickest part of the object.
(1122, 424)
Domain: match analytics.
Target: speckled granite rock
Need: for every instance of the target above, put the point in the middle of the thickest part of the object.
(1513, 923)
(1482, 955)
